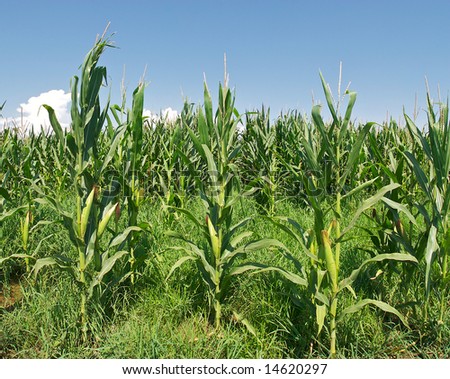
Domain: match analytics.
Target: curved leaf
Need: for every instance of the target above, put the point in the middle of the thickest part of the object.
(23, 256)
(378, 258)
(401, 208)
(179, 263)
(12, 212)
(62, 262)
(380, 304)
(368, 203)
(259, 267)
(56, 126)
(107, 266)
(124, 235)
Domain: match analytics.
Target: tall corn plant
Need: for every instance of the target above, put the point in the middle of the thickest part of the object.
(168, 168)
(28, 249)
(94, 205)
(388, 231)
(326, 242)
(291, 128)
(216, 144)
(18, 164)
(260, 159)
(129, 162)
(433, 178)
(22, 164)
(323, 276)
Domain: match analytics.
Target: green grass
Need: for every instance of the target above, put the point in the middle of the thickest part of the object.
(169, 319)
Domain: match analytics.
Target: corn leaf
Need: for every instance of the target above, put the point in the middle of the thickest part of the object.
(399, 257)
(430, 252)
(370, 202)
(380, 304)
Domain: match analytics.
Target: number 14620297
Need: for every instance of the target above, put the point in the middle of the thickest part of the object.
(296, 369)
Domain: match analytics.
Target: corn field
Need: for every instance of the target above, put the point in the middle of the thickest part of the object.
(295, 236)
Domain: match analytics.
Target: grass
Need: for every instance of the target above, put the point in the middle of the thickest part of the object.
(169, 319)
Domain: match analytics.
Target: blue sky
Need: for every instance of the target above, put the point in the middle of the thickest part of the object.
(274, 49)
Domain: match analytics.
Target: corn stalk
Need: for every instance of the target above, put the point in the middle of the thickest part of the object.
(220, 191)
(129, 161)
(260, 159)
(94, 205)
(436, 188)
(322, 245)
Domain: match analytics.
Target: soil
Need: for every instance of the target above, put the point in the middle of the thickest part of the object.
(10, 294)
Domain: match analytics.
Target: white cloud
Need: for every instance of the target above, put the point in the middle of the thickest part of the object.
(167, 114)
(34, 115)
(170, 114)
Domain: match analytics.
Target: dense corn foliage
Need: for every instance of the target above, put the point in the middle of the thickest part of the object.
(89, 183)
